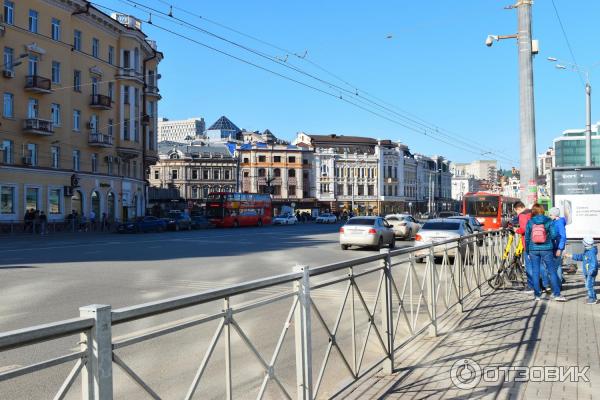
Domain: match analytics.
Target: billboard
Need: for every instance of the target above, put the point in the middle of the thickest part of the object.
(576, 191)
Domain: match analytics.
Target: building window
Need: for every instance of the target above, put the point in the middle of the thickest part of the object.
(136, 130)
(151, 108)
(276, 172)
(136, 97)
(55, 72)
(194, 192)
(94, 123)
(8, 59)
(32, 65)
(77, 40)
(32, 108)
(277, 159)
(125, 94)
(33, 21)
(371, 190)
(55, 156)
(194, 174)
(77, 81)
(292, 191)
(94, 86)
(205, 174)
(262, 172)
(126, 59)
(340, 189)
(126, 129)
(76, 160)
(324, 188)
(350, 187)
(94, 162)
(227, 174)
(7, 151)
(361, 190)
(156, 174)
(9, 106)
(292, 173)
(262, 158)
(109, 165)
(110, 127)
(174, 174)
(246, 174)
(291, 159)
(134, 169)
(136, 59)
(9, 12)
(246, 160)
(7, 199)
(32, 154)
(56, 29)
(76, 120)
(32, 198)
(111, 90)
(54, 196)
(111, 55)
(216, 174)
(95, 47)
(55, 113)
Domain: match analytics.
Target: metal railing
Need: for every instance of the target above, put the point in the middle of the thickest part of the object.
(390, 295)
(100, 139)
(100, 101)
(38, 125)
(38, 83)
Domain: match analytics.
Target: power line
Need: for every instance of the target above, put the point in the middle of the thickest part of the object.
(423, 131)
(564, 32)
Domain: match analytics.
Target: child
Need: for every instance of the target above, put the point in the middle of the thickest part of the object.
(589, 266)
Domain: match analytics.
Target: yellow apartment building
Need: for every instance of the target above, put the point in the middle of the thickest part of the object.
(79, 110)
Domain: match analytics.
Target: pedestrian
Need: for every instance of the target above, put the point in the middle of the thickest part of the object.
(43, 223)
(28, 220)
(540, 235)
(560, 224)
(589, 266)
(92, 220)
(36, 221)
(523, 217)
(104, 222)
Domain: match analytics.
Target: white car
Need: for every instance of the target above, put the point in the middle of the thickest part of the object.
(440, 230)
(405, 226)
(286, 219)
(367, 232)
(326, 219)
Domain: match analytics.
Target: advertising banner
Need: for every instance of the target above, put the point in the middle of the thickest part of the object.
(577, 193)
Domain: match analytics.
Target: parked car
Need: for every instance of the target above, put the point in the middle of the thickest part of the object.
(285, 219)
(448, 214)
(200, 222)
(143, 224)
(405, 226)
(177, 221)
(474, 224)
(367, 231)
(439, 230)
(326, 218)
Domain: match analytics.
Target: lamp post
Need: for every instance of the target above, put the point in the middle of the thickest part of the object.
(588, 103)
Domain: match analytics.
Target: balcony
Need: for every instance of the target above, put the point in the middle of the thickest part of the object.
(152, 90)
(100, 102)
(38, 84)
(36, 126)
(98, 139)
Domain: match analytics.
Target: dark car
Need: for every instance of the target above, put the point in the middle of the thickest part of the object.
(177, 221)
(143, 224)
(200, 222)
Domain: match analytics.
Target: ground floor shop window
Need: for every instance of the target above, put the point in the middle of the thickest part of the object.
(96, 203)
(32, 197)
(54, 201)
(110, 205)
(7, 200)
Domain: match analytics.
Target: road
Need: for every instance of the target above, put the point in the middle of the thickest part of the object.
(48, 279)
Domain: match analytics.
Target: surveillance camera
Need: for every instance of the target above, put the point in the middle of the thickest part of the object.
(489, 41)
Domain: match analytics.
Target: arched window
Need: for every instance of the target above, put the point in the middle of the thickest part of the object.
(174, 156)
(77, 202)
(324, 170)
(292, 173)
(261, 172)
(277, 172)
(110, 206)
(96, 203)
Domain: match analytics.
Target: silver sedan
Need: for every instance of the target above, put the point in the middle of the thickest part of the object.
(404, 225)
(367, 232)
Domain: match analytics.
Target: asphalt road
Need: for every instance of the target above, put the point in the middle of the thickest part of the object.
(48, 279)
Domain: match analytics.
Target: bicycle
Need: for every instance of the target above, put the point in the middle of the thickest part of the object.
(511, 273)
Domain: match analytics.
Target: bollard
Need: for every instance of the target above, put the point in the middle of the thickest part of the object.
(387, 321)
(97, 376)
(302, 335)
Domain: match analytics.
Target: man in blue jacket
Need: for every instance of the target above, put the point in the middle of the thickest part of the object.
(589, 266)
(560, 242)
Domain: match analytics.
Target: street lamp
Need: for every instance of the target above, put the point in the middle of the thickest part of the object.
(588, 103)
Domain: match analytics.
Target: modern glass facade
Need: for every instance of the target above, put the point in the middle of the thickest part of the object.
(570, 151)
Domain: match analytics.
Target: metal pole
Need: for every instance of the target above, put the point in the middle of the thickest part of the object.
(588, 125)
(97, 376)
(527, 112)
(303, 332)
(387, 319)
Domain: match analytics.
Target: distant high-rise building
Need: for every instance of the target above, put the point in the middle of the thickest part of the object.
(223, 129)
(569, 149)
(180, 130)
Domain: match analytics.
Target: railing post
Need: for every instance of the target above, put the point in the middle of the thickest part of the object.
(477, 265)
(227, 333)
(458, 261)
(97, 376)
(302, 325)
(387, 322)
(432, 295)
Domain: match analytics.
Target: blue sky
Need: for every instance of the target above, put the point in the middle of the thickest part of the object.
(435, 66)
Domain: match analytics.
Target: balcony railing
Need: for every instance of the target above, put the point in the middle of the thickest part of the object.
(152, 90)
(100, 139)
(38, 126)
(100, 102)
(38, 84)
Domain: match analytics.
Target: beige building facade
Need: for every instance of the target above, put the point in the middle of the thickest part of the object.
(79, 116)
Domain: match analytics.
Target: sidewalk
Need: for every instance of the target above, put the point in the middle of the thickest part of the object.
(502, 329)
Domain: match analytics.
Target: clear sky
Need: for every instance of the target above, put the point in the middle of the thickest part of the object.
(435, 66)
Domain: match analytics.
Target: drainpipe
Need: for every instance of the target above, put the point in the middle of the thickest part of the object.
(145, 125)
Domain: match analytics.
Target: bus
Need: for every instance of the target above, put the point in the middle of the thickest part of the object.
(228, 209)
(494, 211)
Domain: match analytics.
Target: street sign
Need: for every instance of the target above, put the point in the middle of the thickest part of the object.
(576, 191)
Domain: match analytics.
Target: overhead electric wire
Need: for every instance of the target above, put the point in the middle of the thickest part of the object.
(357, 91)
(564, 32)
(424, 131)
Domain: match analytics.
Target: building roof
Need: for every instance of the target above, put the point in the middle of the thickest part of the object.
(341, 139)
(224, 124)
(167, 147)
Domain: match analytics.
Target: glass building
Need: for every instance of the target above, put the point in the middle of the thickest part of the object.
(570, 148)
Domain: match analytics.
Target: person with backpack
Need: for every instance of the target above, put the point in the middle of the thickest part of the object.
(560, 224)
(523, 217)
(589, 266)
(540, 235)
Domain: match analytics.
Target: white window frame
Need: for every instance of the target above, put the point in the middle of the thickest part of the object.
(111, 55)
(56, 72)
(56, 31)
(8, 59)
(33, 17)
(95, 47)
(8, 106)
(9, 12)
(8, 154)
(76, 120)
(13, 215)
(76, 161)
(55, 114)
(54, 164)
(61, 203)
(38, 205)
(77, 36)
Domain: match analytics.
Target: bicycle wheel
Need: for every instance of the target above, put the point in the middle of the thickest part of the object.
(497, 281)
